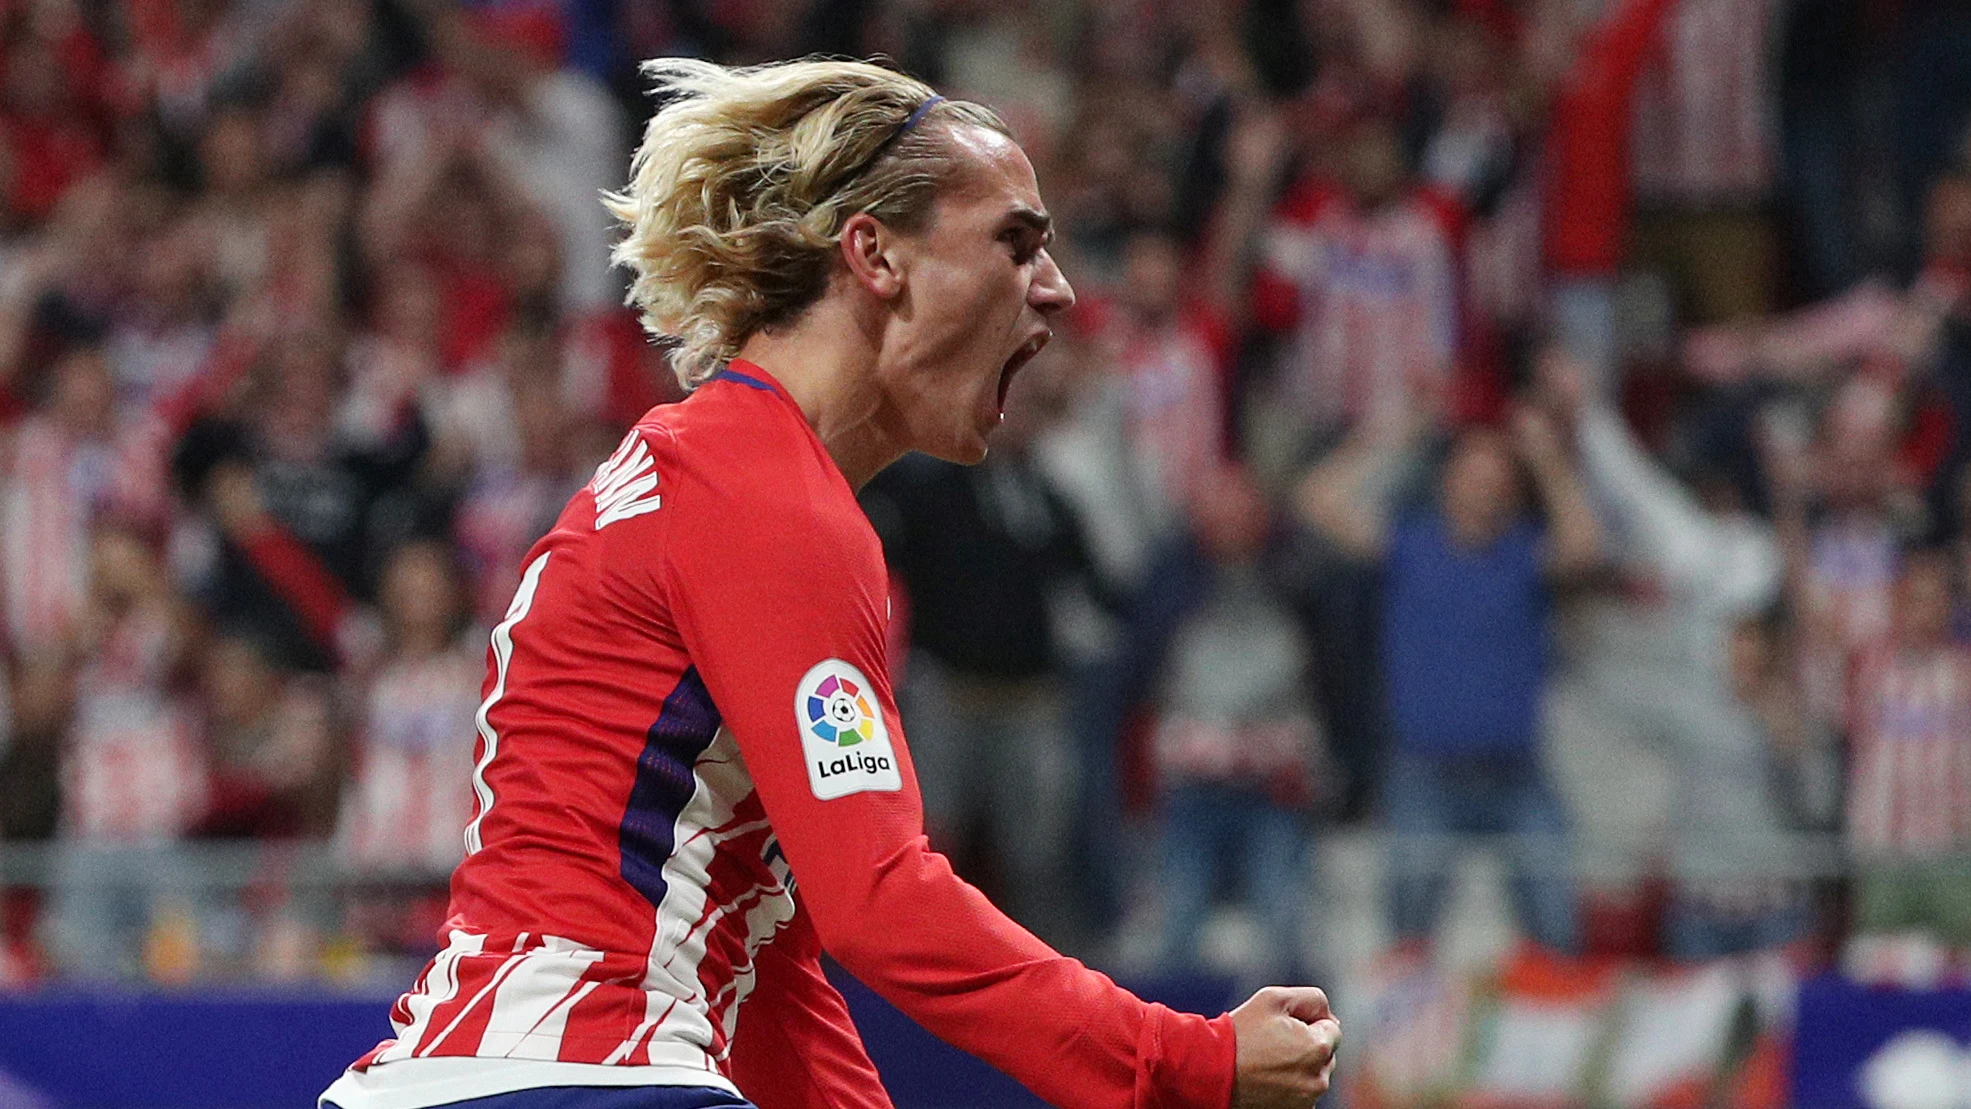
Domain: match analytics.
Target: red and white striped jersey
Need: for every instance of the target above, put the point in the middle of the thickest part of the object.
(690, 778)
(1174, 380)
(1704, 113)
(133, 769)
(407, 804)
(51, 488)
(1369, 301)
(1909, 783)
(1850, 574)
(149, 364)
(56, 485)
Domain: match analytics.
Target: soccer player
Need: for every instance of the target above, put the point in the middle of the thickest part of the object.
(690, 776)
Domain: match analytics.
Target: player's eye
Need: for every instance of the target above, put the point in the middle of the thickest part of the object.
(1023, 241)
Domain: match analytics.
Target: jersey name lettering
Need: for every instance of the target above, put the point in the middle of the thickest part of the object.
(626, 484)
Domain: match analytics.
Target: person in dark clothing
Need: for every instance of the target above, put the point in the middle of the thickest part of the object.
(298, 512)
(981, 556)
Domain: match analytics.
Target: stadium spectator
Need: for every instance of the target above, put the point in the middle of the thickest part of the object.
(1842, 510)
(234, 214)
(1237, 744)
(405, 809)
(1910, 768)
(1149, 435)
(508, 504)
(1356, 282)
(162, 332)
(984, 556)
(408, 797)
(1360, 275)
(133, 767)
(538, 135)
(1703, 159)
(1171, 351)
(1481, 89)
(270, 743)
(332, 496)
(476, 415)
(322, 62)
(63, 472)
(1655, 666)
(446, 205)
(52, 116)
(1589, 202)
(394, 361)
(1163, 373)
(1466, 596)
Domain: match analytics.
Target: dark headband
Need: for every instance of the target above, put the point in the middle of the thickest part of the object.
(917, 116)
(909, 124)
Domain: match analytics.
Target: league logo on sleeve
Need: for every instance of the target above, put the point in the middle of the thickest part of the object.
(843, 736)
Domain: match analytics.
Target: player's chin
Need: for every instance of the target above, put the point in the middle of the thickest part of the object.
(973, 452)
(966, 431)
(965, 447)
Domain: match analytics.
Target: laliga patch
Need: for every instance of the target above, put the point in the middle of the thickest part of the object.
(843, 737)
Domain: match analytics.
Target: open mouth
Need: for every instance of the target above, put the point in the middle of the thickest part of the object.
(1018, 359)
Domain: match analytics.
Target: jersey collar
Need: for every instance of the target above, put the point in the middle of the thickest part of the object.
(741, 372)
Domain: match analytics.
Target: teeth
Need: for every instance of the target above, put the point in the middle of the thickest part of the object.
(1023, 355)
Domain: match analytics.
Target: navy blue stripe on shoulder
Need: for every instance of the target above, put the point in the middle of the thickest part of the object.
(743, 379)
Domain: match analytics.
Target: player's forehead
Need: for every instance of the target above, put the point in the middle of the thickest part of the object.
(993, 181)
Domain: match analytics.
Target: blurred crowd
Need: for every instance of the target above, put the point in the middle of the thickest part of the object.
(1538, 420)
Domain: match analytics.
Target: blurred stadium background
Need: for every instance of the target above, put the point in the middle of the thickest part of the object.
(1492, 539)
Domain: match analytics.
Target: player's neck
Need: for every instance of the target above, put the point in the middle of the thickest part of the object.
(823, 361)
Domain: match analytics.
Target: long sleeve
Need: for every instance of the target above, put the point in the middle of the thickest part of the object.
(797, 1047)
(232, 355)
(1700, 556)
(1588, 197)
(300, 579)
(780, 599)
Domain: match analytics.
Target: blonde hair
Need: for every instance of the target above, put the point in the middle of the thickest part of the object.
(739, 191)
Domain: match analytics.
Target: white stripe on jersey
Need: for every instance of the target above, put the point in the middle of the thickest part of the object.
(767, 915)
(1910, 785)
(544, 1042)
(1703, 115)
(424, 999)
(690, 1005)
(44, 536)
(686, 874)
(530, 1008)
(683, 922)
(635, 1038)
(492, 984)
(523, 601)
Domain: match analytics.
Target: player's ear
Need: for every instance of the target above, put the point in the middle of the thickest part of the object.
(869, 252)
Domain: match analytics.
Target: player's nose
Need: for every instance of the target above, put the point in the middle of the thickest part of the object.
(1050, 292)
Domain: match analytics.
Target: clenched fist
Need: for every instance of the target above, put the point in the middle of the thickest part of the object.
(1287, 1038)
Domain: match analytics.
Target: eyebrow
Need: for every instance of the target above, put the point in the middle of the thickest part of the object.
(1037, 220)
